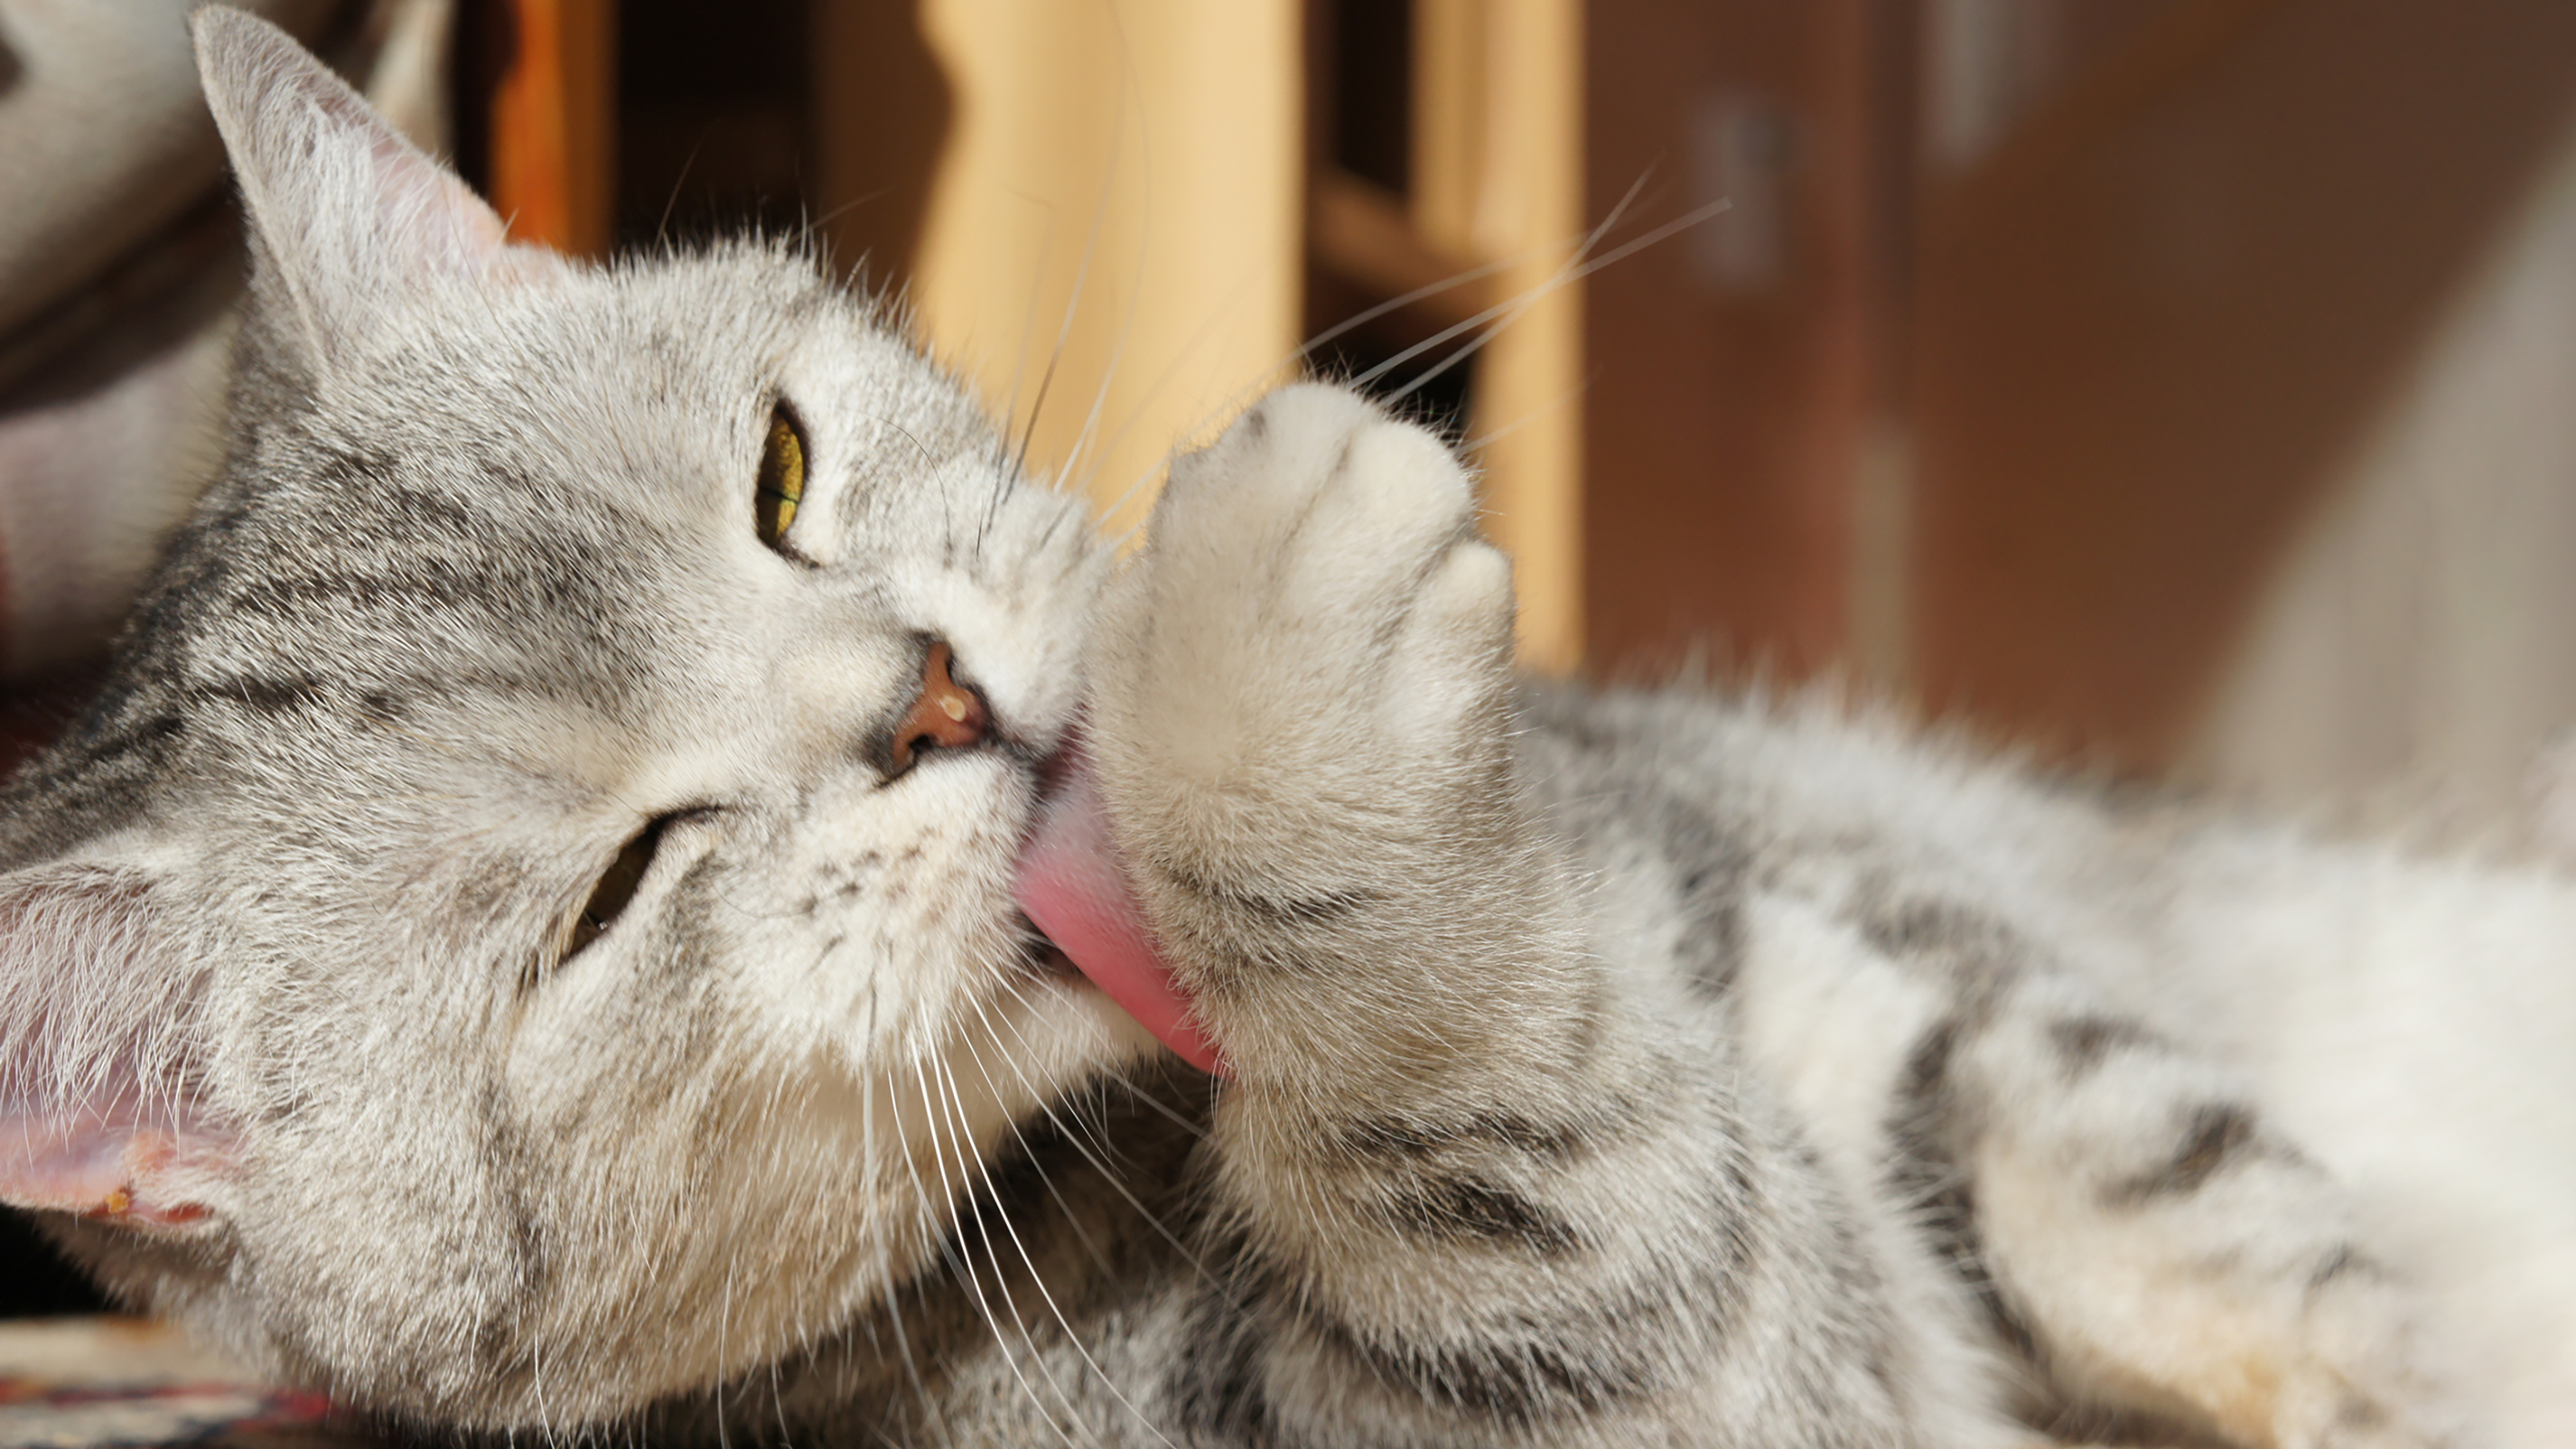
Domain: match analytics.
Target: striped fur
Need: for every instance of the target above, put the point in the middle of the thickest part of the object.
(1603, 1068)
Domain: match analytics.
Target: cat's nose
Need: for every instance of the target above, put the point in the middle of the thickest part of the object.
(948, 714)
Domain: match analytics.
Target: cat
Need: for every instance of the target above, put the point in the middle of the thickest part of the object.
(540, 932)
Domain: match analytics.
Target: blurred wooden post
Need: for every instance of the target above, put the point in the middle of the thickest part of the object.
(1110, 249)
(1490, 212)
(1515, 194)
(553, 170)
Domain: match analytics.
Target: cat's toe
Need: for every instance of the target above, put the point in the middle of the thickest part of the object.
(1319, 554)
(1456, 639)
(1312, 620)
(1315, 503)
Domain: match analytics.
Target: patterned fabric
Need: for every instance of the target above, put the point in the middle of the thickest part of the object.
(91, 1383)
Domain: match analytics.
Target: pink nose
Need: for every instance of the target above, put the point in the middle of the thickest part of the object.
(947, 715)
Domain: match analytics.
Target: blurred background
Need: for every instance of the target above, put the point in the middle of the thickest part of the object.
(2184, 388)
(2187, 386)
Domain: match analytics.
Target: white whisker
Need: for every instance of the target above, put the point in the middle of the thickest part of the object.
(1243, 396)
(1029, 316)
(957, 1258)
(992, 1254)
(1512, 308)
(1036, 1278)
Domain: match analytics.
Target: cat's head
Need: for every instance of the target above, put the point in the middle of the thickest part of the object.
(527, 927)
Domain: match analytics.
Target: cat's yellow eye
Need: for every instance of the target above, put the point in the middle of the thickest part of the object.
(782, 478)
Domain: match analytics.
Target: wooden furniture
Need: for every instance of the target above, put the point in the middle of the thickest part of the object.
(1444, 231)
(2036, 335)
(1119, 221)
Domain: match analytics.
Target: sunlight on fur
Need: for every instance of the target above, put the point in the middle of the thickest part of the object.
(1594, 1067)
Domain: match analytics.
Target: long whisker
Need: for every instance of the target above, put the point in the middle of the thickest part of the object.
(1073, 302)
(1180, 356)
(992, 1253)
(1034, 1090)
(1241, 396)
(1540, 294)
(930, 1219)
(662, 225)
(1516, 308)
(1118, 1185)
(1035, 1277)
(1163, 1109)
(1029, 316)
(836, 213)
(1488, 438)
(959, 1258)
(724, 1327)
(778, 1391)
(1096, 1134)
(1134, 88)
(975, 1169)
(912, 1371)
(1579, 264)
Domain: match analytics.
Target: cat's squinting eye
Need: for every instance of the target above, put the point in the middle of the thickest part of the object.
(616, 887)
(782, 478)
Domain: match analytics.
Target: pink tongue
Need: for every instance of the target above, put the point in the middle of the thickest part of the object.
(1071, 884)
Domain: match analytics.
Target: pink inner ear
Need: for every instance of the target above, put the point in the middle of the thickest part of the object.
(98, 1054)
(112, 1167)
(435, 211)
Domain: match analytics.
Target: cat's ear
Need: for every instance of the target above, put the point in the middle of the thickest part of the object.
(347, 215)
(101, 1112)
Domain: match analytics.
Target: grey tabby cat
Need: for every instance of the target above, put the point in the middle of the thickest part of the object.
(533, 937)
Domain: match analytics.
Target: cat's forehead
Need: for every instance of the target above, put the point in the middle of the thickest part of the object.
(611, 422)
(535, 511)
(658, 360)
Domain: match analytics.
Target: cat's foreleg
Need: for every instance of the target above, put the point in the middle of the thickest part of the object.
(2162, 1243)
(1470, 1183)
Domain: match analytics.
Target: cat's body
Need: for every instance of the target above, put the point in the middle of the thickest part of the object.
(531, 937)
(1817, 903)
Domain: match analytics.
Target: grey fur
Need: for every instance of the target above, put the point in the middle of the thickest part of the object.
(1603, 1068)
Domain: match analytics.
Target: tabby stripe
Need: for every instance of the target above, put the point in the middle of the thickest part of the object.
(1276, 910)
(2218, 1136)
(2083, 1042)
(2344, 1261)
(1710, 867)
(1521, 1381)
(261, 695)
(1929, 1130)
(1924, 1170)
(1468, 1208)
(1377, 1138)
(146, 735)
(1968, 939)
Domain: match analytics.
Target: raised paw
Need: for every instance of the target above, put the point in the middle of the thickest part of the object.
(1312, 645)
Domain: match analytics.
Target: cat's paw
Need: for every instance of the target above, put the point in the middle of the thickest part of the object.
(2360, 1377)
(1307, 667)
(2334, 1361)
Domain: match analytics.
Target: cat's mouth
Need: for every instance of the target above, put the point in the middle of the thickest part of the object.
(1043, 957)
(1074, 889)
(1040, 954)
